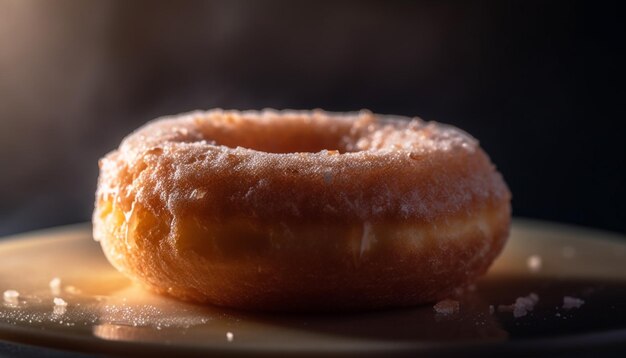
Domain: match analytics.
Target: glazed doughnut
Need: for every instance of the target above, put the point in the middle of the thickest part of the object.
(300, 210)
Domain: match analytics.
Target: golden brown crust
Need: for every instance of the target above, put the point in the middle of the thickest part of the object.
(248, 209)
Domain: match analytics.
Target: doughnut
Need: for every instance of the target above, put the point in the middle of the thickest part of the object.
(301, 210)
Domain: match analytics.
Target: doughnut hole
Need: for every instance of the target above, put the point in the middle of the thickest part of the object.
(299, 134)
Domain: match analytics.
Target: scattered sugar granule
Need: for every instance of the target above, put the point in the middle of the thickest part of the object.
(230, 336)
(59, 310)
(534, 263)
(11, 296)
(55, 286)
(572, 302)
(447, 307)
(491, 309)
(522, 305)
(58, 301)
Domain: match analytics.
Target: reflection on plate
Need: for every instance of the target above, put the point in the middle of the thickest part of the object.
(95, 309)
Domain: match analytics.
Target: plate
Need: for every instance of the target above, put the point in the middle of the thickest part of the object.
(569, 284)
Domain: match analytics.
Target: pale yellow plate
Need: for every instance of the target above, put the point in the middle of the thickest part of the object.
(106, 313)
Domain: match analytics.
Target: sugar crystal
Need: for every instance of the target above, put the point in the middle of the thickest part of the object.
(447, 307)
(522, 305)
(572, 302)
(58, 301)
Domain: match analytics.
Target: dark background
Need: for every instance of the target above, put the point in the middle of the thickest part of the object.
(540, 83)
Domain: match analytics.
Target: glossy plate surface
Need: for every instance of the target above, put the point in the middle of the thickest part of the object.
(106, 313)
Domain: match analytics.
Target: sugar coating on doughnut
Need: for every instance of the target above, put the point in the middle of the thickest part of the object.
(405, 168)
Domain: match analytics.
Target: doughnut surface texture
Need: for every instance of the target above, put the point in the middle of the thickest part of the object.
(300, 210)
